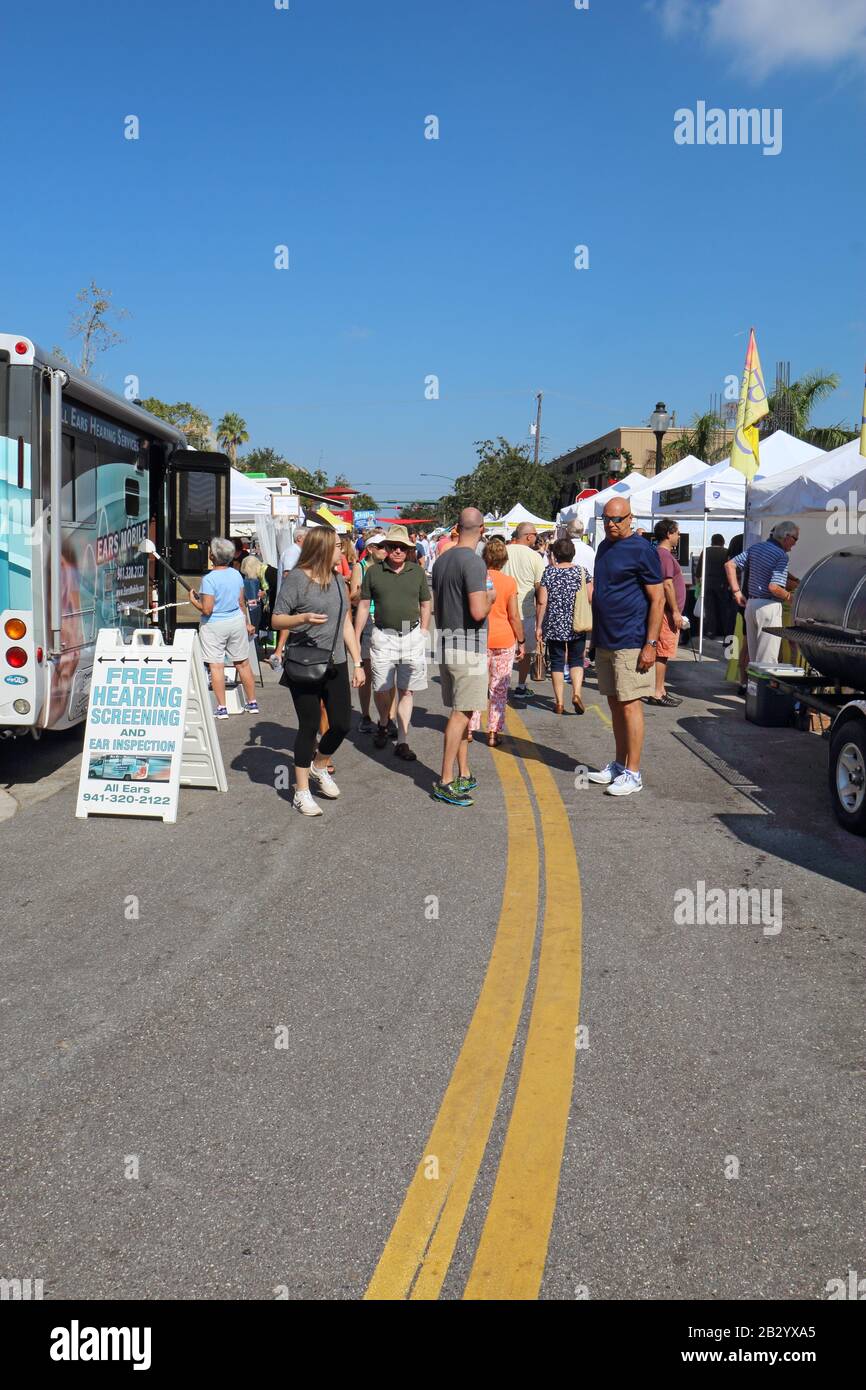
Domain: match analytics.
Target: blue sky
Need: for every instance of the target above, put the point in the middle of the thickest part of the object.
(411, 257)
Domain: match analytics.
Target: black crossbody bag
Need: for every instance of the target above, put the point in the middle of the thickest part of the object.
(306, 664)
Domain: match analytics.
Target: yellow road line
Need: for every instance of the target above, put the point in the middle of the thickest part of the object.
(509, 1262)
(420, 1247)
(597, 709)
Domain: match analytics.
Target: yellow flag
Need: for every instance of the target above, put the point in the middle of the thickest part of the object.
(753, 407)
(863, 427)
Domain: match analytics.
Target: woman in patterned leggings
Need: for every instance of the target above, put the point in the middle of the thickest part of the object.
(504, 639)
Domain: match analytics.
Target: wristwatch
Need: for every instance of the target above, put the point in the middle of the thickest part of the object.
(653, 644)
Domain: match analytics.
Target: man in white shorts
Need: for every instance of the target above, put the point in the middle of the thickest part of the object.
(398, 646)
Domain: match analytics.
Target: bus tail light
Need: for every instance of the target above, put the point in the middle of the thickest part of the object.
(16, 656)
(15, 629)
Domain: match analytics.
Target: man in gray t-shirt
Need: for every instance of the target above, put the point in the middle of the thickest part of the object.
(462, 601)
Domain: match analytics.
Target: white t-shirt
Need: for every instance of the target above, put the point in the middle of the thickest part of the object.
(583, 554)
(289, 557)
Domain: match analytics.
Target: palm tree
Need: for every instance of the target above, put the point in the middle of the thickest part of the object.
(232, 431)
(791, 406)
(703, 438)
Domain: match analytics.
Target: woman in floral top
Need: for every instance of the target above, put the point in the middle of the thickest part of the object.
(554, 617)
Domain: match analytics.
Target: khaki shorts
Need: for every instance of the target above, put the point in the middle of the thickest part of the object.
(398, 659)
(619, 677)
(465, 680)
(527, 612)
(226, 643)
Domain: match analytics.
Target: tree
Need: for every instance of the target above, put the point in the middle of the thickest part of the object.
(91, 326)
(791, 409)
(363, 502)
(504, 475)
(266, 461)
(704, 439)
(232, 431)
(431, 511)
(193, 422)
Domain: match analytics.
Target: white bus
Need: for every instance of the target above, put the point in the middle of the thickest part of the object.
(85, 476)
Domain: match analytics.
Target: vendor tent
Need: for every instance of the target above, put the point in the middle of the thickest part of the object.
(248, 500)
(722, 488)
(519, 514)
(825, 496)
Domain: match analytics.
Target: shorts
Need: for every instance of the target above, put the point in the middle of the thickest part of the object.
(226, 643)
(566, 654)
(619, 677)
(465, 680)
(366, 634)
(669, 639)
(398, 659)
(527, 610)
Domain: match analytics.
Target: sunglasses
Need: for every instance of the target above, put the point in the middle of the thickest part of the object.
(395, 545)
(615, 520)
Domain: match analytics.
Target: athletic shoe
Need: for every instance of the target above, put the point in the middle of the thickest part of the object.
(380, 737)
(405, 752)
(303, 802)
(366, 726)
(452, 794)
(605, 775)
(524, 692)
(252, 707)
(626, 783)
(324, 781)
(466, 784)
(222, 712)
(392, 729)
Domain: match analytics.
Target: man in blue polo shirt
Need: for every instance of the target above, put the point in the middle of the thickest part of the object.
(768, 584)
(628, 602)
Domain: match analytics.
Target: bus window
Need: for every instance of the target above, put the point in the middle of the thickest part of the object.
(132, 496)
(198, 505)
(78, 482)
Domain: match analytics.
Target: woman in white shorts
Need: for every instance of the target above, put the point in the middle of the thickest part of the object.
(225, 629)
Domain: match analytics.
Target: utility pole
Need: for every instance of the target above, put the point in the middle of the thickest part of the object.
(538, 396)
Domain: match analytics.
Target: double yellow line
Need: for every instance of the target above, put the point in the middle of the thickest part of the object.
(509, 1261)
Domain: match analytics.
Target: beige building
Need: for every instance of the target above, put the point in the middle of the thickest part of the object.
(590, 465)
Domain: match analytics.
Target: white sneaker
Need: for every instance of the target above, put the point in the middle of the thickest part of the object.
(324, 781)
(304, 803)
(605, 775)
(626, 783)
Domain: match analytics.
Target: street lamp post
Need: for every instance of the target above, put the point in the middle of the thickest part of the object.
(660, 423)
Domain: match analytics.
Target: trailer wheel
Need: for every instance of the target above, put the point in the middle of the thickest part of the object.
(848, 775)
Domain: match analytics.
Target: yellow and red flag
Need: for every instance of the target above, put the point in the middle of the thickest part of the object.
(753, 407)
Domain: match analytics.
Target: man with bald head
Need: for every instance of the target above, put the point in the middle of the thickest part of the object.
(462, 600)
(525, 566)
(627, 606)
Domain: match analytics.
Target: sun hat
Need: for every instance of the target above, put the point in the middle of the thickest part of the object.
(398, 535)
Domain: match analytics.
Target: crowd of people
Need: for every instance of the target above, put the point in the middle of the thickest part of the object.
(363, 615)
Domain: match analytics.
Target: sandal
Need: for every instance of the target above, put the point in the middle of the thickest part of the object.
(578, 703)
(494, 740)
(403, 751)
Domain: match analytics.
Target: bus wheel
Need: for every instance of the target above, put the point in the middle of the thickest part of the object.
(848, 775)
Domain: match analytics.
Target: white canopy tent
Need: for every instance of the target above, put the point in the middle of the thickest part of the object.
(519, 514)
(825, 496)
(722, 488)
(249, 500)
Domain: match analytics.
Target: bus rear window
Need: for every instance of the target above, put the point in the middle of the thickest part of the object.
(132, 496)
(198, 505)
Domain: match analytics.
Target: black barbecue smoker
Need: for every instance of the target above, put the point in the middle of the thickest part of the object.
(828, 624)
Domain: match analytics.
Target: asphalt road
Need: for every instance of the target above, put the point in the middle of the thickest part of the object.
(420, 968)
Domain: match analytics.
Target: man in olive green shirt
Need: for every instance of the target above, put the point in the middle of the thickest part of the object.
(398, 647)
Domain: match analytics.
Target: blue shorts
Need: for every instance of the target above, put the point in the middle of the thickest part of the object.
(565, 655)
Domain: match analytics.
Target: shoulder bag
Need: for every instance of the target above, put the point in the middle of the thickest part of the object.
(303, 662)
(582, 617)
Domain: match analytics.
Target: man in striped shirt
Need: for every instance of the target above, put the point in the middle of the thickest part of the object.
(768, 582)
